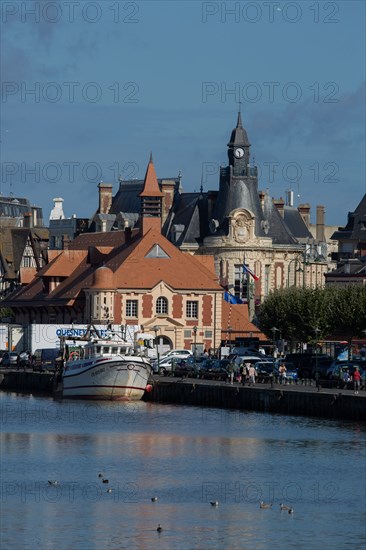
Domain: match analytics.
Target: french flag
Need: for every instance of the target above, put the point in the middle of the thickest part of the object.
(247, 269)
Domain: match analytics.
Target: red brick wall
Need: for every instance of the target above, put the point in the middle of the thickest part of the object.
(207, 310)
(177, 312)
(147, 305)
(117, 305)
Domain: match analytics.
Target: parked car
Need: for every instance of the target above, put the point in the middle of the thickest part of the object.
(164, 364)
(291, 369)
(309, 365)
(45, 359)
(252, 359)
(266, 368)
(337, 370)
(176, 353)
(10, 359)
(185, 369)
(214, 369)
(167, 365)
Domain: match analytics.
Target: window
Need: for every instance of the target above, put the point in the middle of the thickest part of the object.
(192, 309)
(131, 308)
(240, 283)
(157, 252)
(162, 305)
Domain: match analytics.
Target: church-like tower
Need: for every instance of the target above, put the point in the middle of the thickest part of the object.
(151, 201)
(238, 184)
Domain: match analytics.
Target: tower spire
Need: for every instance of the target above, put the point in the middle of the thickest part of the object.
(151, 201)
(239, 123)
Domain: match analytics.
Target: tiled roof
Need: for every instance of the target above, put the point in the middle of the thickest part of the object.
(130, 267)
(151, 186)
(236, 316)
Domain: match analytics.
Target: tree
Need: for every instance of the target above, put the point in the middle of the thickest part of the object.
(308, 315)
(6, 313)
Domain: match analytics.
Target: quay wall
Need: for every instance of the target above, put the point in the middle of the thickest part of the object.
(289, 400)
(28, 381)
(325, 403)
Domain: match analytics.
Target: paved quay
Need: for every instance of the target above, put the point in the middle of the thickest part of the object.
(295, 399)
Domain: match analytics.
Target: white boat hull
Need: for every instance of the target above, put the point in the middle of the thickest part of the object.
(107, 379)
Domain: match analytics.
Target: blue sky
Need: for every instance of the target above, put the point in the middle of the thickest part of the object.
(90, 88)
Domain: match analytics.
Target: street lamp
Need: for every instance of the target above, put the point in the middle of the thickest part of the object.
(229, 330)
(274, 330)
(316, 330)
(298, 269)
(195, 345)
(156, 328)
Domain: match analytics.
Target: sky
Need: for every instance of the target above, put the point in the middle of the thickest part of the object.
(89, 89)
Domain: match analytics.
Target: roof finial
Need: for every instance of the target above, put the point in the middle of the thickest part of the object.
(201, 188)
(150, 159)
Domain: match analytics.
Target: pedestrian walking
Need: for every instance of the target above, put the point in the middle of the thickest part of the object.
(356, 381)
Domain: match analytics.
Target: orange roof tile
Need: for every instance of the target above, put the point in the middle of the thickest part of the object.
(237, 317)
(151, 186)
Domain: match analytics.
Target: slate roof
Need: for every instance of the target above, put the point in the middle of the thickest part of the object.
(239, 193)
(278, 229)
(350, 268)
(356, 224)
(190, 212)
(295, 222)
(239, 134)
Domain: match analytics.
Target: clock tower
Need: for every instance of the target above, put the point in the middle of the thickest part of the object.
(238, 149)
(238, 188)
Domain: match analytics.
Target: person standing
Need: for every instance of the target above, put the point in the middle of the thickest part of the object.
(356, 380)
(282, 372)
(230, 369)
(252, 374)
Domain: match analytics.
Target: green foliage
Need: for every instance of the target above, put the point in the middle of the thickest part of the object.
(307, 315)
(6, 313)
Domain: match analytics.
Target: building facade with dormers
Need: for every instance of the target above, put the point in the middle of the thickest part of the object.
(134, 277)
(351, 254)
(235, 225)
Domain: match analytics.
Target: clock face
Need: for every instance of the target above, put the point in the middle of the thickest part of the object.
(239, 153)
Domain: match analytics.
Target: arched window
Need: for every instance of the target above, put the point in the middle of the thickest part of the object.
(162, 305)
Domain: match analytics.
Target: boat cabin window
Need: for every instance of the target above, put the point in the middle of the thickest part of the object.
(106, 349)
(98, 349)
(115, 351)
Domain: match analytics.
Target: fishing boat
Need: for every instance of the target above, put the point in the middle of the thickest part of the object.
(104, 368)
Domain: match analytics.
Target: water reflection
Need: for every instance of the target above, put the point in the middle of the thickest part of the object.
(186, 456)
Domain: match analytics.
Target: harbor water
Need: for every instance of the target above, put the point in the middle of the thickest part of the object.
(186, 457)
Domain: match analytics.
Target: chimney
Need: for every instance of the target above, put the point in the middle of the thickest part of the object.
(128, 234)
(65, 242)
(105, 197)
(320, 215)
(57, 212)
(261, 198)
(168, 188)
(304, 210)
(28, 219)
(280, 205)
